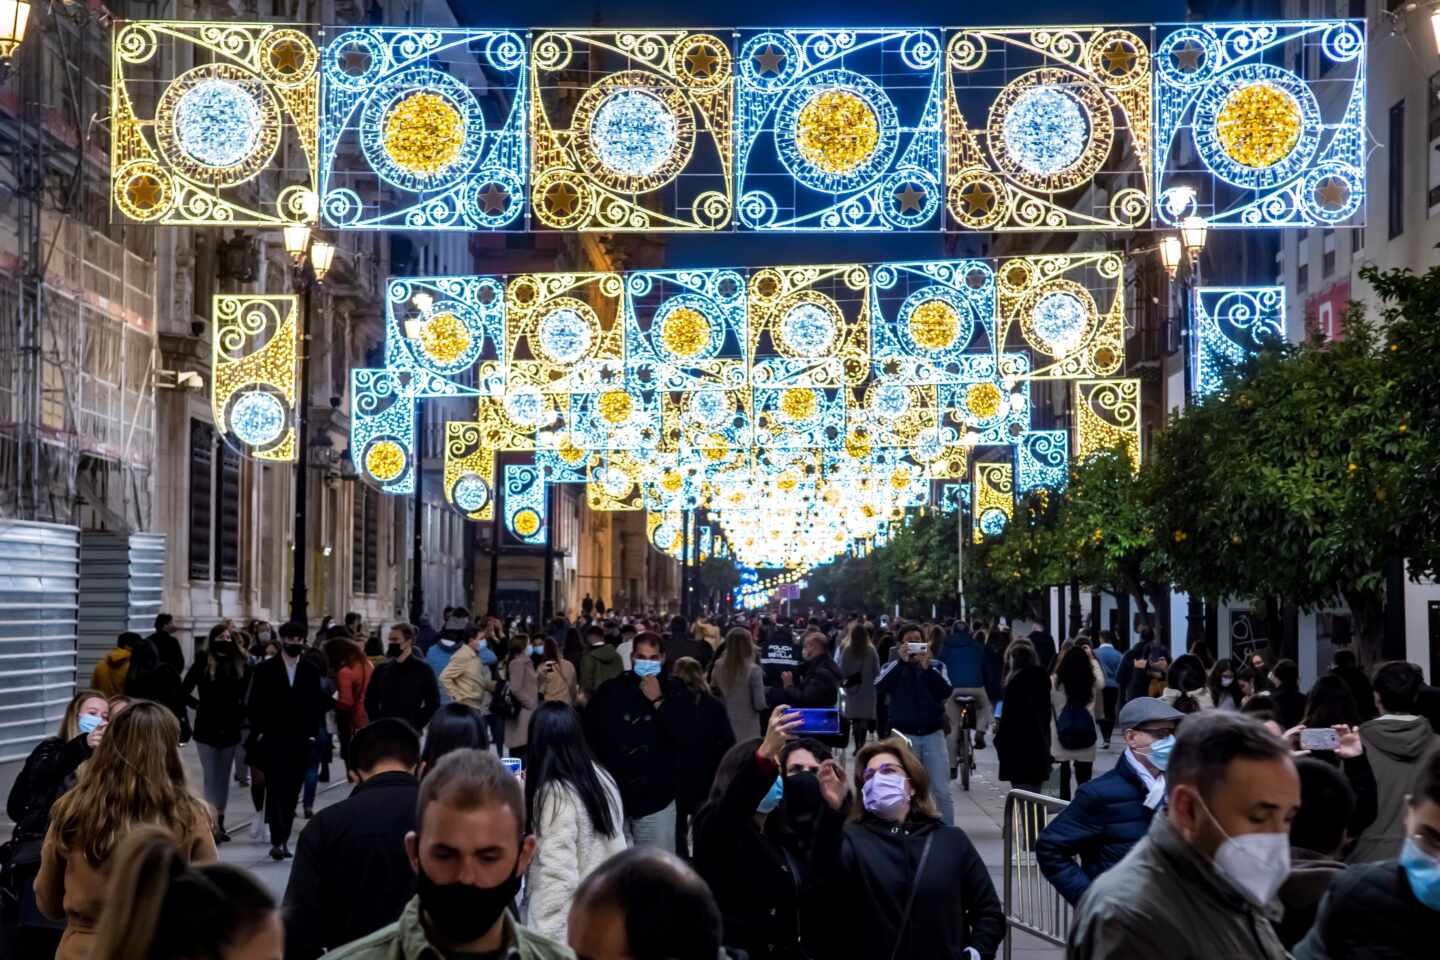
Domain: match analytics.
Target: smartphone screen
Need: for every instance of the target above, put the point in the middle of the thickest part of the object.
(817, 721)
(1321, 738)
(917, 648)
(513, 764)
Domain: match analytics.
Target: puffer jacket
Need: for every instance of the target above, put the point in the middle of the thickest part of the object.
(1370, 913)
(1106, 819)
(568, 846)
(1165, 899)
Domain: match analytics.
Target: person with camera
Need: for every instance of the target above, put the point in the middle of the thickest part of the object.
(917, 691)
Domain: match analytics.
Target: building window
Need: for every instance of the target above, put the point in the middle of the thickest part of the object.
(364, 541)
(1357, 239)
(1357, 10)
(227, 517)
(1327, 251)
(1395, 149)
(1302, 278)
(202, 457)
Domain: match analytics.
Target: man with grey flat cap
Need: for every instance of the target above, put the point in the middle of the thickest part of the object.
(1111, 813)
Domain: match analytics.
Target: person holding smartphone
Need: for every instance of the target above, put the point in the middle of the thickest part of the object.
(917, 691)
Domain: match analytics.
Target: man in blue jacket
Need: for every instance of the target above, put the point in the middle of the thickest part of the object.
(1111, 813)
(964, 661)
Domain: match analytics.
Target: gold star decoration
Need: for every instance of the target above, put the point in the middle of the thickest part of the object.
(287, 57)
(144, 192)
(355, 61)
(891, 368)
(1187, 56)
(910, 198)
(1119, 58)
(495, 198)
(978, 198)
(768, 61)
(701, 61)
(562, 198)
(1332, 193)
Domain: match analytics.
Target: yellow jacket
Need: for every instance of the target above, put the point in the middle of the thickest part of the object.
(466, 680)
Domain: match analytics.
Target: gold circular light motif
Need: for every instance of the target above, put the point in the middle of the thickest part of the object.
(1258, 125)
(900, 479)
(837, 130)
(788, 481)
(798, 403)
(685, 332)
(857, 444)
(934, 324)
(670, 481)
(715, 447)
(385, 460)
(615, 406)
(424, 133)
(569, 452)
(983, 400)
(444, 338)
(527, 522)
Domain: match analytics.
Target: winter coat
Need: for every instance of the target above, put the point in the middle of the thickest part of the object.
(1201, 696)
(1397, 749)
(703, 735)
(858, 673)
(406, 939)
(351, 874)
(438, 657)
(1109, 659)
(568, 847)
(406, 689)
(744, 701)
(1310, 877)
(351, 683)
(165, 687)
(916, 697)
(1166, 899)
(1096, 707)
(598, 663)
(1107, 817)
(557, 681)
(687, 646)
(48, 773)
(755, 882)
(69, 886)
(169, 649)
(220, 713)
(964, 660)
(1371, 913)
(864, 871)
(1289, 706)
(994, 672)
(467, 680)
(1022, 733)
(814, 683)
(637, 741)
(109, 675)
(525, 686)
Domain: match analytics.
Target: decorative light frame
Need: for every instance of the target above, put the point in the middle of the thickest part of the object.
(1231, 324)
(255, 363)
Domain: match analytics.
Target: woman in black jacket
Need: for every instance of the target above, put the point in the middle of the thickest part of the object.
(1022, 733)
(219, 678)
(905, 884)
(151, 678)
(49, 772)
(702, 738)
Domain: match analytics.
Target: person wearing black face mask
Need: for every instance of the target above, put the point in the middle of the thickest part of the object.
(219, 678)
(403, 686)
(469, 850)
(754, 834)
(286, 703)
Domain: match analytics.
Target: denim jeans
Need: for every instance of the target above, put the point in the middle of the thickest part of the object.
(654, 830)
(934, 756)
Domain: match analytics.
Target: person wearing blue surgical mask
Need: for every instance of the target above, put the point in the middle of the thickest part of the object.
(1390, 908)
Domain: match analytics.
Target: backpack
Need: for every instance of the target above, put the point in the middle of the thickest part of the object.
(1075, 727)
(504, 703)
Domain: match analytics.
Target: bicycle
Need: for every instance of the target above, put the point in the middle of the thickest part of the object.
(965, 754)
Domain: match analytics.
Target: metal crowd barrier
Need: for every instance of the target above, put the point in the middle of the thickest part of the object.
(1031, 903)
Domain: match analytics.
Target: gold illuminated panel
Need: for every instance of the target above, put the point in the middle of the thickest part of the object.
(1068, 310)
(1107, 415)
(252, 395)
(994, 499)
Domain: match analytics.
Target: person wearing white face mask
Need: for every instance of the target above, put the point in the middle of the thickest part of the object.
(905, 884)
(1203, 882)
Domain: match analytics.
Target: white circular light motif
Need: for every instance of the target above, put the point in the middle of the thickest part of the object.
(471, 493)
(526, 406)
(1045, 130)
(891, 401)
(564, 335)
(257, 418)
(615, 482)
(709, 407)
(929, 445)
(217, 123)
(808, 329)
(633, 133)
(1060, 320)
(992, 522)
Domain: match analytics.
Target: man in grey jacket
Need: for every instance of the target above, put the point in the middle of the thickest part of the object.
(1202, 883)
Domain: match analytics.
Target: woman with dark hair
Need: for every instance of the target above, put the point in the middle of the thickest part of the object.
(1185, 685)
(702, 734)
(160, 907)
(1022, 728)
(1078, 688)
(1330, 704)
(1289, 699)
(151, 678)
(524, 687)
(574, 813)
(556, 676)
(453, 727)
(740, 682)
(219, 678)
(1224, 691)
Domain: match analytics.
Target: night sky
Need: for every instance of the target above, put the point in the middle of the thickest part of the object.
(702, 250)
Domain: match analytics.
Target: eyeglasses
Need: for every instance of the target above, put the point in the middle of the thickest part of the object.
(893, 769)
(1427, 844)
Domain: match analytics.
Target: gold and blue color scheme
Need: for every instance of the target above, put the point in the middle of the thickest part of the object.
(1231, 323)
(423, 128)
(525, 503)
(253, 377)
(1261, 124)
(1107, 415)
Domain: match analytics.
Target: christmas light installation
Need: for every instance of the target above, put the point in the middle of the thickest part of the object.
(525, 503)
(253, 378)
(1042, 460)
(994, 487)
(1231, 323)
(1263, 149)
(1107, 416)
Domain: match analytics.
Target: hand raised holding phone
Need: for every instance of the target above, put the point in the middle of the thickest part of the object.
(783, 722)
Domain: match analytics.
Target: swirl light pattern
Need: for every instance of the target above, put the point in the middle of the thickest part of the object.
(1231, 323)
(1042, 460)
(525, 503)
(1107, 415)
(254, 343)
(994, 499)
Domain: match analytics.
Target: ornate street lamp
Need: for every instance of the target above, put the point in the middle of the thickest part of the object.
(1192, 232)
(1170, 253)
(14, 20)
(322, 254)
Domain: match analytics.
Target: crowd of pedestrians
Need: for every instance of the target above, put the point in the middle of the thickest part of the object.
(638, 789)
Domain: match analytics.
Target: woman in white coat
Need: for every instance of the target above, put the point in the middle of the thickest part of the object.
(1077, 696)
(575, 815)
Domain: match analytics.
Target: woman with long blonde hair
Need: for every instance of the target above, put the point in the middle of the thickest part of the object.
(739, 682)
(134, 778)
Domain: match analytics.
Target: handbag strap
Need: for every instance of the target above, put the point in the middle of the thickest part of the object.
(910, 900)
